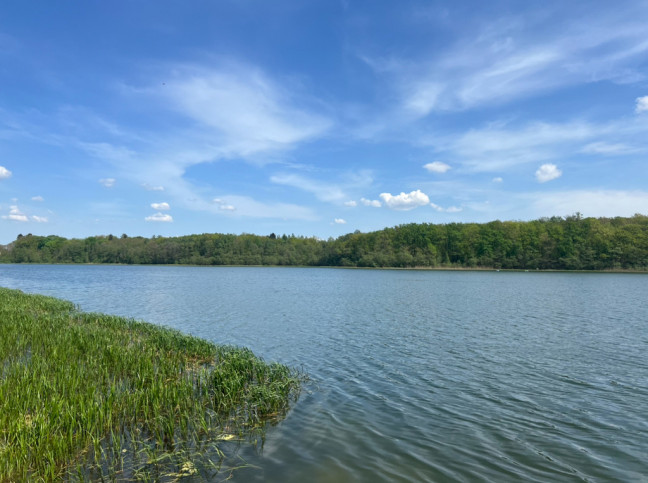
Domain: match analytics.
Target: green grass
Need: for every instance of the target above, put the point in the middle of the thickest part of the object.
(88, 396)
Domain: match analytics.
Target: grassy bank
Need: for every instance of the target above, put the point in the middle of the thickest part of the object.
(90, 396)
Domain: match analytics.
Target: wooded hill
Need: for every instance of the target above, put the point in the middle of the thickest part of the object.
(570, 243)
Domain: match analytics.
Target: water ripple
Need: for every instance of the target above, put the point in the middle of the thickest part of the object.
(417, 376)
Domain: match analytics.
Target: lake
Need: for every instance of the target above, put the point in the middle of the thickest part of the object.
(417, 375)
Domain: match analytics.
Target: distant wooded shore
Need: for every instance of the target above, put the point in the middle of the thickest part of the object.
(556, 243)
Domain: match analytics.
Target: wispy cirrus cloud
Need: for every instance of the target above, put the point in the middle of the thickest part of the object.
(513, 57)
(228, 111)
(501, 145)
(325, 190)
(241, 108)
(107, 182)
(322, 190)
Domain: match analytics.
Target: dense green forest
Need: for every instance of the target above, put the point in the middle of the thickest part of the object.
(569, 243)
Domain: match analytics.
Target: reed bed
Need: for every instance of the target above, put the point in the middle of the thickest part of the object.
(87, 396)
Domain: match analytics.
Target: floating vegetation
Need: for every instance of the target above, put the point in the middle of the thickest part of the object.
(88, 396)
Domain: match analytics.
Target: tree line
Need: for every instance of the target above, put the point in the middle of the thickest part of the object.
(556, 243)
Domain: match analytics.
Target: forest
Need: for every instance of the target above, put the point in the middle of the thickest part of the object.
(556, 243)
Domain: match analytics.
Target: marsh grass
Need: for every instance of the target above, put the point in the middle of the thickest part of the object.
(88, 396)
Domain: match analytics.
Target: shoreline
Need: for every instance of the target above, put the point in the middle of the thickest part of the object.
(438, 269)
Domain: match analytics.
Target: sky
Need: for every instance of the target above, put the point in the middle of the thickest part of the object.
(319, 117)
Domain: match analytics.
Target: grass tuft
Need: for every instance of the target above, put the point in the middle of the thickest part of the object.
(87, 396)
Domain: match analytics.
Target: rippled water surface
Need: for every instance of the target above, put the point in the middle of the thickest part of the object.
(418, 375)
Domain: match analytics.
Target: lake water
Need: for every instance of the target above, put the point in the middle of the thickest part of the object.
(417, 375)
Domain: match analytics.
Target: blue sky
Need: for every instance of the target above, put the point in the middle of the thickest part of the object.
(318, 117)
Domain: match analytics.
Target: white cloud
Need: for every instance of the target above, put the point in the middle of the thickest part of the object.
(37, 198)
(163, 217)
(351, 204)
(39, 219)
(340, 221)
(436, 207)
(248, 111)
(148, 187)
(547, 172)
(372, 203)
(246, 206)
(604, 148)
(107, 182)
(497, 179)
(596, 203)
(507, 58)
(405, 201)
(642, 104)
(164, 206)
(4, 173)
(450, 209)
(15, 214)
(495, 147)
(223, 205)
(15, 217)
(323, 191)
(437, 167)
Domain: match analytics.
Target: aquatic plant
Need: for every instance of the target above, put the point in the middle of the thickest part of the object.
(87, 396)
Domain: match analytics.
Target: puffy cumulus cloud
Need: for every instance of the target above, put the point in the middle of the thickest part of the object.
(15, 214)
(497, 179)
(642, 104)
(351, 204)
(164, 206)
(405, 201)
(39, 219)
(163, 217)
(4, 173)
(547, 172)
(372, 203)
(107, 182)
(437, 167)
(340, 221)
(37, 198)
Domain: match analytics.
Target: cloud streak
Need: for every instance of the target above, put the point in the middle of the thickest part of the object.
(511, 58)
